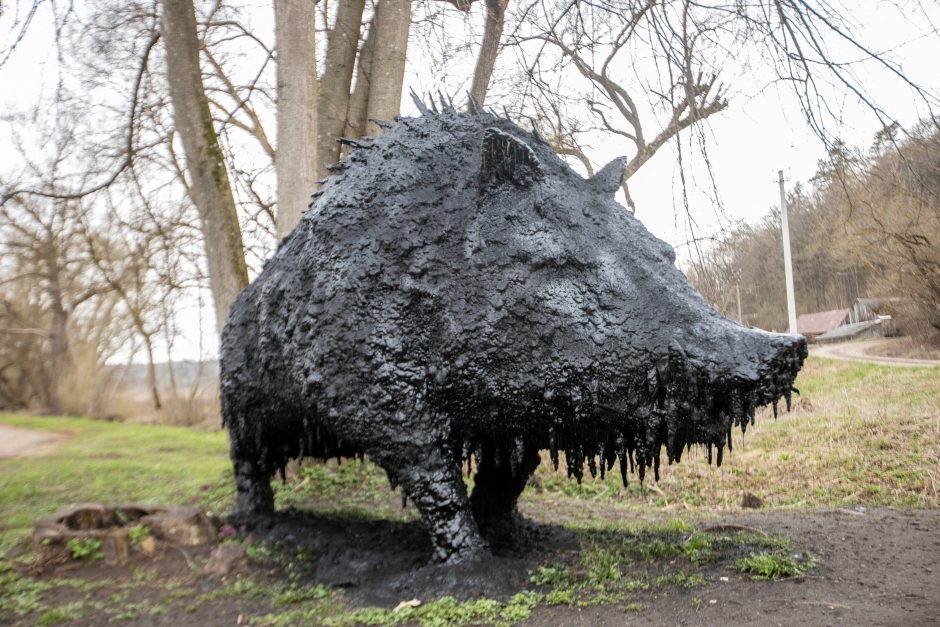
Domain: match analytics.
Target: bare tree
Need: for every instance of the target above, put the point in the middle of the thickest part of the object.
(643, 71)
(489, 49)
(208, 179)
(387, 69)
(494, 21)
(357, 112)
(334, 105)
(892, 223)
(58, 322)
(296, 161)
(122, 258)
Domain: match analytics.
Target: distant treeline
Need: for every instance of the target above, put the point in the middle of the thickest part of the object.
(868, 225)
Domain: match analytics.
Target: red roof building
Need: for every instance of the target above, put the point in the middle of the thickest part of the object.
(849, 322)
(813, 324)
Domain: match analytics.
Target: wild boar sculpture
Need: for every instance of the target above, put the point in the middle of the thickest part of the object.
(457, 292)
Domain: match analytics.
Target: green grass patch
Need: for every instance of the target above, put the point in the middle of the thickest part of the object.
(113, 463)
(70, 612)
(616, 562)
(138, 533)
(681, 578)
(772, 565)
(551, 576)
(19, 596)
(86, 549)
(356, 489)
(445, 612)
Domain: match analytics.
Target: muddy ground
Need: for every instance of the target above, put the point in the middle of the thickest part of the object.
(874, 567)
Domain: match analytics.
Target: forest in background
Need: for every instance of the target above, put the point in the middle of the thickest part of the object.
(867, 226)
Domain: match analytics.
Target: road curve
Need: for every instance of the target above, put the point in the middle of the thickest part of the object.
(857, 351)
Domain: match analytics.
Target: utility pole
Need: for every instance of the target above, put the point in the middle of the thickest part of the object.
(737, 288)
(787, 259)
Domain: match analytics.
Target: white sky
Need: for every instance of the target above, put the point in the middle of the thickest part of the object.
(760, 132)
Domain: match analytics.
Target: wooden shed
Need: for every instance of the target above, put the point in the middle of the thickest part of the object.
(860, 320)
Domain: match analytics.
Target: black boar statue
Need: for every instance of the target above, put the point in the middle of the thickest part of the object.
(457, 294)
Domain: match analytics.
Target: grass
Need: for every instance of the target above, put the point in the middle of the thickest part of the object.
(447, 611)
(766, 565)
(355, 489)
(114, 463)
(858, 434)
(88, 549)
(637, 557)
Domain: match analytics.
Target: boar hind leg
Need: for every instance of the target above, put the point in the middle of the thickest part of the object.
(500, 478)
(436, 488)
(253, 489)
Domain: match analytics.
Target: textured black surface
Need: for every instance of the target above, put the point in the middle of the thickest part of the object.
(457, 292)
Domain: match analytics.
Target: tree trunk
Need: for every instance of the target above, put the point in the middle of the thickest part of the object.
(152, 374)
(359, 101)
(296, 157)
(209, 184)
(392, 23)
(58, 336)
(489, 49)
(341, 47)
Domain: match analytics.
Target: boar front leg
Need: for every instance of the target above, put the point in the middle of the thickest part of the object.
(437, 490)
(501, 476)
(431, 480)
(253, 489)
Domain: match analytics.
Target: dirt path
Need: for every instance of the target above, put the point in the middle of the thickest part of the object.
(858, 351)
(16, 442)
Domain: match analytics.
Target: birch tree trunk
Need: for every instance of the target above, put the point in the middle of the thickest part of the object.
(392, 23)
(209, 184)
(489, 49)
(296, 160)
(342, 45)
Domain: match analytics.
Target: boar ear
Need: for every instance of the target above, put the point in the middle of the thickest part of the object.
(506, 159)
(608, 179)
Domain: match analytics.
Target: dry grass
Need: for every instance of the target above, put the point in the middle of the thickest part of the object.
(908, 347)
(859, 434)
